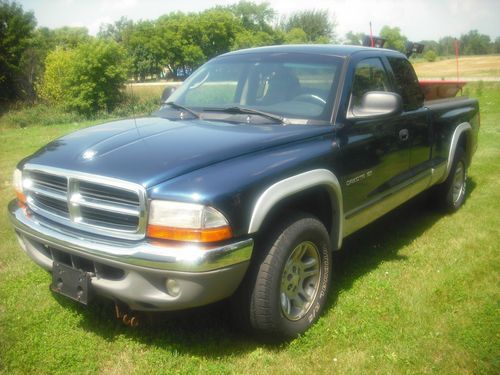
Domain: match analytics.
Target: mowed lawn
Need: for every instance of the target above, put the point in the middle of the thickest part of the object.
(417, 292)
(486, 66)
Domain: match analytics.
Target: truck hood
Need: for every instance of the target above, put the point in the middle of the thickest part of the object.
(152, 150)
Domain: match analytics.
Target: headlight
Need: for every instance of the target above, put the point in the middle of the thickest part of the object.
(187, 222)
(17, 183)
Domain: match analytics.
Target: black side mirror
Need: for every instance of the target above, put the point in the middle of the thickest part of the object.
(376, 104)
(166, 93)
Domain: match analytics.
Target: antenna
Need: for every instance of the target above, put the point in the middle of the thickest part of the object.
(456, 58)
(133, 107)
(371, 35)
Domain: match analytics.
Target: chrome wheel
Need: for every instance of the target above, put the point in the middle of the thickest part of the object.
(300, 280)
(459, 182)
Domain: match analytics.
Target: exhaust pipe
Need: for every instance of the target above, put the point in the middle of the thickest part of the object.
(129, 318)
(131, 321)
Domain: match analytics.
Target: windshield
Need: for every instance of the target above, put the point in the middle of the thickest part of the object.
(291, 85)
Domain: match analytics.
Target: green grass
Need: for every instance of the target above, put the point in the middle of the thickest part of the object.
(416, 292)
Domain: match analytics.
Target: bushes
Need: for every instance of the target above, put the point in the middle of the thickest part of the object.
(430, 56)
(87, 79)
(140, 101)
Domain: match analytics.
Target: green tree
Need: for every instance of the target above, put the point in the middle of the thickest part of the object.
(474, 43)
(58, 69)
(393, 38)
(317, 25)
(247, 39)
(42, 41)
(182, 36)
(446, 46)
(296, 36)
(33, 59)
(430, 45)
(430, 55)
(70, 37)
(87, 79)
(16, 30)
(496, 45)
(217, 31)
(146, 45)
(190, 39)
(354, 39)
(255, 17)
(118, 31)
(254, 27)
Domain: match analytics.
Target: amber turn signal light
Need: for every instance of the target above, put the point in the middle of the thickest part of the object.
(189, 235)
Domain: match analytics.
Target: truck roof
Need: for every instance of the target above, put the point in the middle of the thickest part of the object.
(321, 49)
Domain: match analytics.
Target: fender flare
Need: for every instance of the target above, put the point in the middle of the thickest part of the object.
(295, 184)
(459, 130)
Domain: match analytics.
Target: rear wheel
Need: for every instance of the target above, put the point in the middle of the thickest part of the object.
(287, 288)
(450, 195)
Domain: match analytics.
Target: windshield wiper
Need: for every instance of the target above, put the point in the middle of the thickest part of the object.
(182, 108)
(248, 111)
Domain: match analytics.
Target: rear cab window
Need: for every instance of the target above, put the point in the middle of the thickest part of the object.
(407, 84)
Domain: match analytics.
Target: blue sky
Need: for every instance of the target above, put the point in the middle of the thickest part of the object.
(418, 19)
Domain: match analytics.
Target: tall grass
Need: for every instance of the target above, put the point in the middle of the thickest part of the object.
(24, 116)
(138, 101)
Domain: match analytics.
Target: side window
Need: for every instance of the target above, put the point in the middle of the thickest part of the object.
(369, 75)
(407, 83)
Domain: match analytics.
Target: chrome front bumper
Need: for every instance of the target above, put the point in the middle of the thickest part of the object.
(205, 273)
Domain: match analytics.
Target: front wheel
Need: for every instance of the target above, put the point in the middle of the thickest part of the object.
(287, 289)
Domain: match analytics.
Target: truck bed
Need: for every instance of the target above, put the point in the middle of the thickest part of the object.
(447, 102)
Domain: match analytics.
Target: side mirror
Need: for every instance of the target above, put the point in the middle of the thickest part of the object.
(166, 93)
(377, 104)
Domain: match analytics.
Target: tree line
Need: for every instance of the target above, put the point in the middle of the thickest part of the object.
(67, 66)
(471, 43)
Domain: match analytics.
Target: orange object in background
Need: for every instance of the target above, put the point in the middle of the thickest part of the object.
(440, 89)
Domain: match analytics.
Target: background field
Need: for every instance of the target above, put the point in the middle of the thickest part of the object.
(478, 67)
(414, 293)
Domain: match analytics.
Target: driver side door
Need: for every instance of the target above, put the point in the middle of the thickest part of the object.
(375, 154)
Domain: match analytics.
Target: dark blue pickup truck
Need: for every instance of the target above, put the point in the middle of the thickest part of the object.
(242, 184)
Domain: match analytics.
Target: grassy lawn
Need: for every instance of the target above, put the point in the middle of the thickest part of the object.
(416, 292)
(470, 66)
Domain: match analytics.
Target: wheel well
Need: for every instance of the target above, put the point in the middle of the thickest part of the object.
(315, 201)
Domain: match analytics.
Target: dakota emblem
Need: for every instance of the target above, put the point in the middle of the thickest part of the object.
(361, 177)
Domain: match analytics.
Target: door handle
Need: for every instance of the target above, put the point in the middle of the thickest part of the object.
(404, 134)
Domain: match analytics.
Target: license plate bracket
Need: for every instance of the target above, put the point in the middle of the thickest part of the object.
(71, 282)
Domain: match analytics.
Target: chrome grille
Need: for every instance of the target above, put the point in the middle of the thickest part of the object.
(97, 204)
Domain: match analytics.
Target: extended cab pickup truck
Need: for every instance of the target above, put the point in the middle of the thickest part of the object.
(242, 184)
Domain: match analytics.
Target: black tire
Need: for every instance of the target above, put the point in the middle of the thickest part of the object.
(450, 195)
(261, 300)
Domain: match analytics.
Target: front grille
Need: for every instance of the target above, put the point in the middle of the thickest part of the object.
(96, 204)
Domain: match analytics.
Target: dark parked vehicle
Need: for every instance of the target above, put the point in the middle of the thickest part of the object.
(242, 184)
